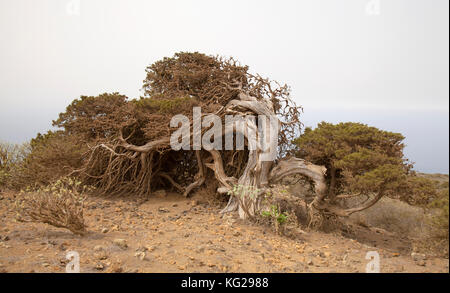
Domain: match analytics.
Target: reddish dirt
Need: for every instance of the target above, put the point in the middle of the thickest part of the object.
(175, 234)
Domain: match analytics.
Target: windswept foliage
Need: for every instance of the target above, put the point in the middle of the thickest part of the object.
(96, 117)
(360, 160)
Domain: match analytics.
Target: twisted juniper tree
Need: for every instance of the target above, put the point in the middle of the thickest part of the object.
(130, 149)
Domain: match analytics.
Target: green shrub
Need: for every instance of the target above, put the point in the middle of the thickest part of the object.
(440, 215)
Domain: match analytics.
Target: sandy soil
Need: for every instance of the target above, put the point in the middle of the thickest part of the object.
(175, 234)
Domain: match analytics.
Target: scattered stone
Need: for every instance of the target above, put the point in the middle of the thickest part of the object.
(45, 264)
(174, 218)
(98, 248)
(309, 262)
(105, 230)
(237, 233)
(122, 243)
(418, 256)
(150, 248)
(163, 210)
(141, 255)
(99, 267)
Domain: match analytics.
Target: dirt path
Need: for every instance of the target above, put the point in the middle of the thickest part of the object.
(174, 234)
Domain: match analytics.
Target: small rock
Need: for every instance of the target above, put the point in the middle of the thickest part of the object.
(141, 249)
(309, 262)
(150, 248)
(163, 210)
(45, 264)
(140, 255)
(174, 218)
(418, 256)
(237, 233)
(99, 267)
(98, 248)
(122, 243)
(105, 230)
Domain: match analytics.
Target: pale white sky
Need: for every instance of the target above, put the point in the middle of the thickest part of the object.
(388, 67)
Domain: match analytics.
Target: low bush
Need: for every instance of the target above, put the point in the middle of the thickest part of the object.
(59, 204)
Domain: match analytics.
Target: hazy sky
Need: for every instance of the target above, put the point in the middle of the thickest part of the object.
(382, 62)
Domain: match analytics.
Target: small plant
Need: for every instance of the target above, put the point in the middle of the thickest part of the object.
(274, 213)
(59, 204)
(276, 217)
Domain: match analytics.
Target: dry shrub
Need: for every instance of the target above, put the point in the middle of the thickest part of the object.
(11, 156)
(51, 156)
(59, 204)
(440, 216)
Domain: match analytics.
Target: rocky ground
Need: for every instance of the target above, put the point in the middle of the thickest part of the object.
(175, 234)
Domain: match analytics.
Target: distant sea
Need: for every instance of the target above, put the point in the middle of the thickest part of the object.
(426, 132)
